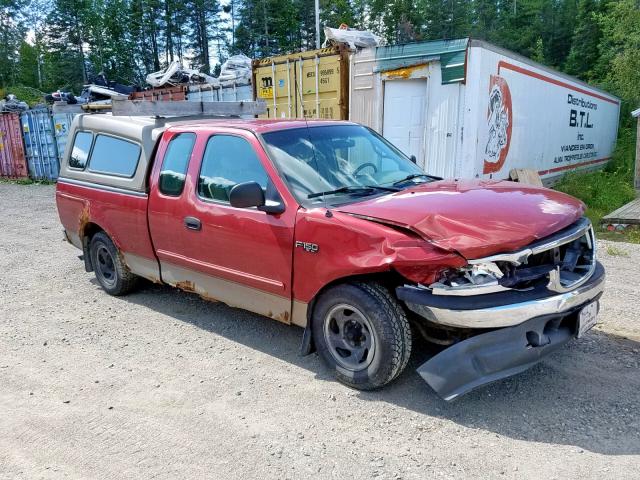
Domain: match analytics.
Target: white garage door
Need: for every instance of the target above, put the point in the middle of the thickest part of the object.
(405, 103)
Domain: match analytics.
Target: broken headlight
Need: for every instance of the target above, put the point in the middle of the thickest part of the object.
(470, 280)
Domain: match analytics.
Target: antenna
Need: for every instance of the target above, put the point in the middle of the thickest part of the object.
(298, 89)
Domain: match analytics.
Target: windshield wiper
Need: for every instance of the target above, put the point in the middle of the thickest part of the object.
(415, 175)
(364, 189)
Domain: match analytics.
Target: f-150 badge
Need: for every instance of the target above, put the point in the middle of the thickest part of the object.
(308, 247)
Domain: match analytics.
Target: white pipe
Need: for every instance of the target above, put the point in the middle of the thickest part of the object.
(351, 80)
(300, 89)
(317, 6)
(317, 87)
(289, 87)
(273, 89)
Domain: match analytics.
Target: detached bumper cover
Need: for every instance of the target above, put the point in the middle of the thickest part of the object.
(540, 325)
(496, 355)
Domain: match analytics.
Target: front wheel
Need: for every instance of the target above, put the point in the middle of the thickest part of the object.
(362, 333)
(111, 272)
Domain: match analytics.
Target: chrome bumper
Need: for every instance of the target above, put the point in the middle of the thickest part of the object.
(511, 308)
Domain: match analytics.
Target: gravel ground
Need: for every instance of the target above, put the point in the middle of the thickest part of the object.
(161, 384)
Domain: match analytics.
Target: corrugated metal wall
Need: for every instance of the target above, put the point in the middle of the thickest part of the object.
(12, 159)
(313, 84)
(442, 138)
(442, 65)
(222, 93)
(40, 144)
(365, 101)
(62, 127)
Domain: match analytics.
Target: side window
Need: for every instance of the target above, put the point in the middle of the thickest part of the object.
(175, 164)
(80, 150)
(114, 156)
(227, 161)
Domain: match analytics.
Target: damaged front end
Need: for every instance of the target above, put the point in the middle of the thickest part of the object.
(514, 308)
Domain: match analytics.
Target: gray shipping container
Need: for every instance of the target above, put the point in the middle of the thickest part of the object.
(223, 93)
(61, 128)
(40, 144)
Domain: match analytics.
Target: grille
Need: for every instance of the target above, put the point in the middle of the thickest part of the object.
(565, 260)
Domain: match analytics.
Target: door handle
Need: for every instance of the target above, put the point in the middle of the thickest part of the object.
(192, 223)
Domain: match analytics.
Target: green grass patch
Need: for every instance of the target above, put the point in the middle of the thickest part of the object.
(26, 181)
(30, 95)
(605, 190)
(615, 251)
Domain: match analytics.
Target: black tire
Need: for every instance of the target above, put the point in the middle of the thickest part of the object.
(381, 361)
(111, 272)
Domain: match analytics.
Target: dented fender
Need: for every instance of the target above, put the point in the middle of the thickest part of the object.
(350, 246)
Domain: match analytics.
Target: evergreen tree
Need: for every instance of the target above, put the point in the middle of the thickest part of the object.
(619, 61)
(12, 33)
(27, 68)
(54, 44)
(586, 38)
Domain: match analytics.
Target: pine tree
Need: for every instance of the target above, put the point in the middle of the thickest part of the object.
(27, 68)
(65, 35)
(587, 35)
(12, 32)
(619, 62)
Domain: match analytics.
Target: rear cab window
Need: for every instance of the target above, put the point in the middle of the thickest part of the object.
(114, 156)
(175, 164)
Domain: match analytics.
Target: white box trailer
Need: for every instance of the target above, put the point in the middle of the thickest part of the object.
(468, 109)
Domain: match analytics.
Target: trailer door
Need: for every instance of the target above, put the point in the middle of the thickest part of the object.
(405, 103)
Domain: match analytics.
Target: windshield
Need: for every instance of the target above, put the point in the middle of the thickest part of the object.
(339, 162)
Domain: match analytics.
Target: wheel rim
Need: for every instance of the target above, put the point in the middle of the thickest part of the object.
(104, 266)
(349, 337)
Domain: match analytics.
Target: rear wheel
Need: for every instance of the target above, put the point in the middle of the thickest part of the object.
(362, 334)
(111, 272)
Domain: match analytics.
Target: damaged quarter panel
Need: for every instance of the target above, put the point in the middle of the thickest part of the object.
(348, 246)
(475, 218)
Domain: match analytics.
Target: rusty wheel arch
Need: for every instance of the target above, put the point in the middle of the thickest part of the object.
(89, 229)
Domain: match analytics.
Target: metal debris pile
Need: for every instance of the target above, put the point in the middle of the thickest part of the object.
(237, 69)
(354, 38)
(11, 104)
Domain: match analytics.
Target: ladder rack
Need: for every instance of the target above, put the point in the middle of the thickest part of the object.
(184, 108)
(158, 108)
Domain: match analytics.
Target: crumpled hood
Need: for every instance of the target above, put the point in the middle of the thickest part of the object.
(474, 218)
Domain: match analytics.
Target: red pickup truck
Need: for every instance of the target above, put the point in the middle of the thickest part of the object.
(327, 226)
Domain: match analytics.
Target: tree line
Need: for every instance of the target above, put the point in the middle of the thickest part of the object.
(51, 44)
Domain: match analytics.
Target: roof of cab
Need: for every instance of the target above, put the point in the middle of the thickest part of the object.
(253, 125)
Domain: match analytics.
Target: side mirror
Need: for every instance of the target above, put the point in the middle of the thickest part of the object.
(413, 159)
(250, 194)
(245, 195)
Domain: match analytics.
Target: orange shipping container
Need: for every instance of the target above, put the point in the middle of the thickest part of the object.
(12, 159)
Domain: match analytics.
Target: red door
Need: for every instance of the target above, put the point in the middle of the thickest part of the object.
(241, 256)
